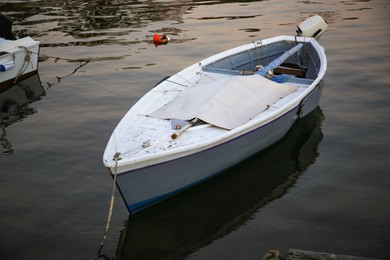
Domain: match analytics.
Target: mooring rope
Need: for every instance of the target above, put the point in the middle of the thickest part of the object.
(26, 61)
(98, 255)
(42, 57)
(56, 58)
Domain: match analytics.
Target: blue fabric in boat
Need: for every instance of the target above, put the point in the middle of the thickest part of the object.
(281, 78)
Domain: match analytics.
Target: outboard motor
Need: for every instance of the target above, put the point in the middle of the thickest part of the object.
(6, 28)
(313, 26)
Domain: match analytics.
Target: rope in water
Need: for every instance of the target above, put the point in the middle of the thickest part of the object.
(42, 57)
(99, 253)
(56, 58)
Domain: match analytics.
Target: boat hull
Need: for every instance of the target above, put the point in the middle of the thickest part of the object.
(225, 202)
(143, 187)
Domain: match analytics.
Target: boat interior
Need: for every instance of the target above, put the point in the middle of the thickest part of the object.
(303, 66)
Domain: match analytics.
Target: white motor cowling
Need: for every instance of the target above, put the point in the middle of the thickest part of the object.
(313, 26)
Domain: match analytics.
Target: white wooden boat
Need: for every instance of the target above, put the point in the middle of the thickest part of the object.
(18, 60)
(211, 115)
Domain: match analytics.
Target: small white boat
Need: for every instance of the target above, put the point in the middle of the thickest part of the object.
(18, 60)
(18, 57)
(214, 114)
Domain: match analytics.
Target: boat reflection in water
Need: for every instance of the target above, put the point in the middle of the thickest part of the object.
(176, 227)
(14, 106)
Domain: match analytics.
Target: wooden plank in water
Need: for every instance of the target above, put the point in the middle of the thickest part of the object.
(296, 254)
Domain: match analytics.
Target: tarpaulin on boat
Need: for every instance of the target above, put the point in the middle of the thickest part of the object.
(227, 102)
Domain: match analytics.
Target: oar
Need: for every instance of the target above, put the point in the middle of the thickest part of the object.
(183, 129)
(276, 62)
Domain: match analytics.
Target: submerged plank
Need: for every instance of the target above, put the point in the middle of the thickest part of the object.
(296, 254)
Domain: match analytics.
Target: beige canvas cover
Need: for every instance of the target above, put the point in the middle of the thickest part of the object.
(227, 102)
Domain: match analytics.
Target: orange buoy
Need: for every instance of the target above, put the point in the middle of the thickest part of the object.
(160, 39)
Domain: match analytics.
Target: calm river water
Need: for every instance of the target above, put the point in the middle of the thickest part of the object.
(324, 187)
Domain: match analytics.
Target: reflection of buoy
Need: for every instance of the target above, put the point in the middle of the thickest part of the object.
(160, 39)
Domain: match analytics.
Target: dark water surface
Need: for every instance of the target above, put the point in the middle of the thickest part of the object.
(324, 187)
